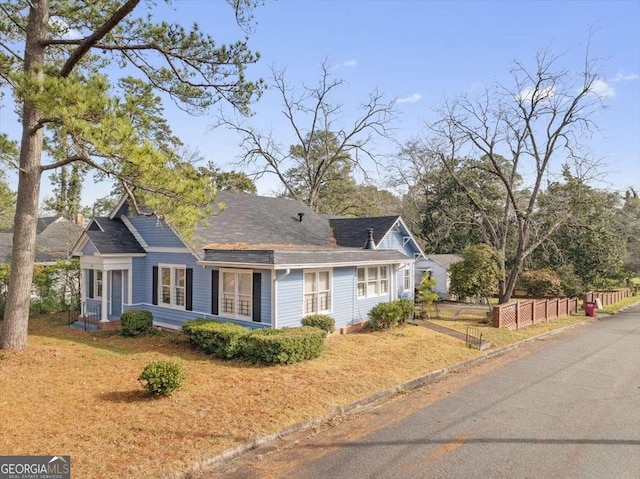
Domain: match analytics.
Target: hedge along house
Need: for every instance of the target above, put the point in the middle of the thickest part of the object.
(261, 262)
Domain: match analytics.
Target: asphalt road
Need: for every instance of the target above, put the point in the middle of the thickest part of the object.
(568, 407)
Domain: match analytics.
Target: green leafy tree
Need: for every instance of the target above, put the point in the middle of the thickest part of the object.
(426, 296)
(7, 203)
(477, 274)
(54, 57)
(235, 181)
(591, 241)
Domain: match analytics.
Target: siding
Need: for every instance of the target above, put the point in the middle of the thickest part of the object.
(289, 302)
(142, 294)
(364, 305)
(344, 284)
(155, 232)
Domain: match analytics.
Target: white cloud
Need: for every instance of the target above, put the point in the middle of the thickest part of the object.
(620, 77)
(543, 94)
(410, 99)
(350, 63)
(603, 89)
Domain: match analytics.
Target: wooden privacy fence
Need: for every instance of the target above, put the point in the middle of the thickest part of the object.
(606, 297)
(521, 314)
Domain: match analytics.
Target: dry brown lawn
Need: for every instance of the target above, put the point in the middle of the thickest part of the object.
(75, 392)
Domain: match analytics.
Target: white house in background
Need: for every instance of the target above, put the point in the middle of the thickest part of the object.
(438, 267)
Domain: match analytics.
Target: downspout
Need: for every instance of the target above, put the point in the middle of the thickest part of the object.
(274, 293)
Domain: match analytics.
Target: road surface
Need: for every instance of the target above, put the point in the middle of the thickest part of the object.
(567, 407)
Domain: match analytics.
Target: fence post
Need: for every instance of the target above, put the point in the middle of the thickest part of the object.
(496, 317)
(517, 315)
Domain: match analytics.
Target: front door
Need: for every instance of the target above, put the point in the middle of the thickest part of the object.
(116, 293)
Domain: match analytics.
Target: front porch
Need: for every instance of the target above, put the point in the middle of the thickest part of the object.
(105, 288)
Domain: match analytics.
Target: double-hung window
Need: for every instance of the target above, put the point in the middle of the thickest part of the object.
(236, 294)
(406, 279)
(373, 281)
(317, 292)
(172, 285)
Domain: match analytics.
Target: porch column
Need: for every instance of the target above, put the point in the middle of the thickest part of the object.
(83, 291)
(105, 308)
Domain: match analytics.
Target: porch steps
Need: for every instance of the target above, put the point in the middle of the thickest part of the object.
(80, 324)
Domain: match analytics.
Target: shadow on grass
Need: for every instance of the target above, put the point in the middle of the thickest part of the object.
(165, 342)
(133, 396)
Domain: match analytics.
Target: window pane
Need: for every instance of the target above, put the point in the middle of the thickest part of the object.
(362, 290)
(384, 286)
(228, 303)
(323, 281)
(309, 303)
(383, 271)
(372, 288)
(372, 273)
(244, 283)
(179, 299)
(244, 305)
(165, 276)
(179, 277)
(361, 274)
(309, 282)
(229, 282)
(324, 300)
(166, 295)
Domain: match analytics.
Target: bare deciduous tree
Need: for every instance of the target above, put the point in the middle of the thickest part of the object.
(322, 145)
(539, 126)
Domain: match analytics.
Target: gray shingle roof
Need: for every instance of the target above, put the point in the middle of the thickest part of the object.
(352, 232)
(111, 236)
(287, 257)
(55, 236)
(445, 259)
(259, 220)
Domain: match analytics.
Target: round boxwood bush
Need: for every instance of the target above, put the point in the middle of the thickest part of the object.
(322, 321)
(384, 315)
(163, 377)
(407, 308)
(136, 322)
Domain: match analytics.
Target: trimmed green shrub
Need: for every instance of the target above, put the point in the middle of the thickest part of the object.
(284, 346)
(222, 340)
(322, 321)
(407, 308)
(163, 377)
(136, 322)
(541, 283)
(384, 315)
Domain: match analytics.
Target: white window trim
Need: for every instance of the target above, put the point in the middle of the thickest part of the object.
(406, 274)
(172, 286)
(316, 272)
(235, 315)
(379, 281)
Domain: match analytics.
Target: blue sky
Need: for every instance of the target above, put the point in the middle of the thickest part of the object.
(421, 52)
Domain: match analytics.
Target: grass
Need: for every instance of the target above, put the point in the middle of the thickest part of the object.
(75, 392)
(613, 308)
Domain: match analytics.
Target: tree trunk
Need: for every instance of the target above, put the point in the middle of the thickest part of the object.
(16, 316)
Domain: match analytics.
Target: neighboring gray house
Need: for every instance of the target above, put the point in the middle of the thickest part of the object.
(55, 236)
(437, 265)
(262, 262)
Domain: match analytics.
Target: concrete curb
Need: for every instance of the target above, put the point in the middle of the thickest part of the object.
(366, 401)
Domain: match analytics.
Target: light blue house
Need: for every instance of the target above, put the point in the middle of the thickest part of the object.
(260, 262)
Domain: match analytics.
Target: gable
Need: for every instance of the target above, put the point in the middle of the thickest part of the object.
(352, 232)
